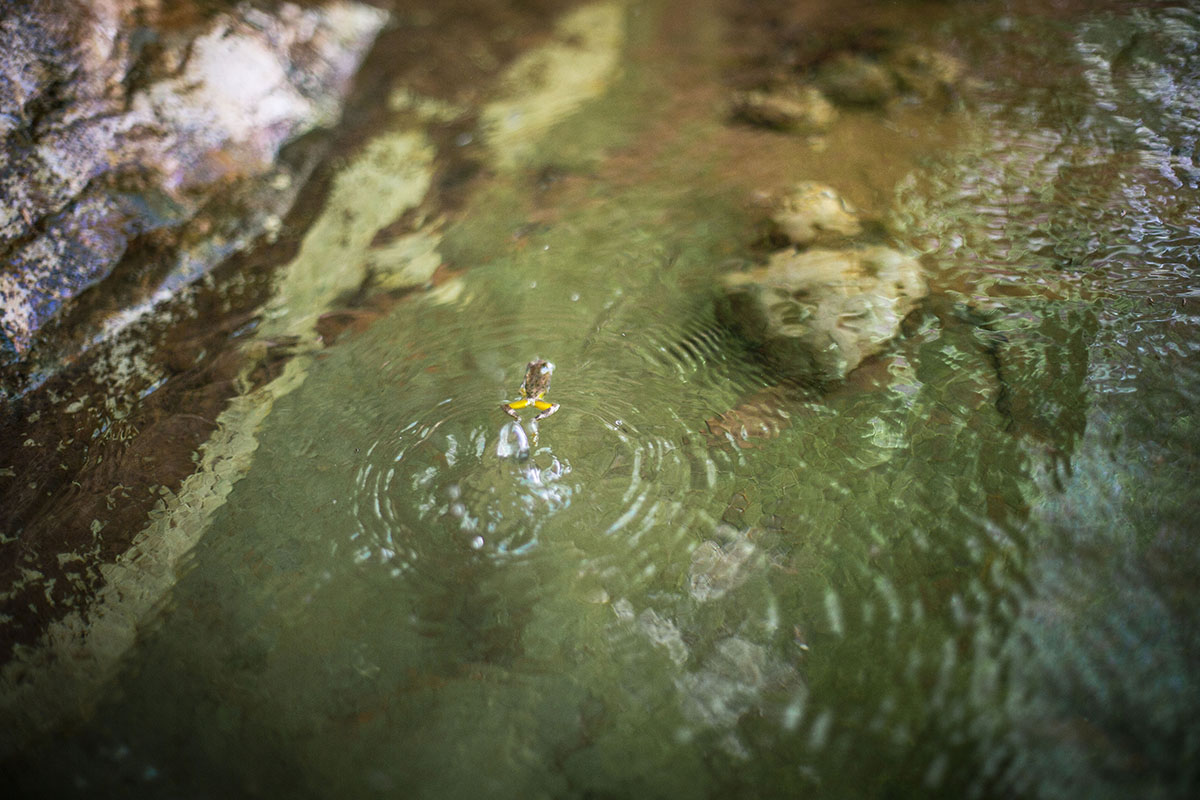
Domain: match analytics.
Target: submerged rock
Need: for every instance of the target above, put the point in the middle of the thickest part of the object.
(908, 71)
(120, 121)
(815, 315)
(719, 568)
(811, 211)
(856, 80)
(796, 109)
(929, 74)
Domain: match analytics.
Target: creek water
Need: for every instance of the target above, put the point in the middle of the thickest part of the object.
(968, 572)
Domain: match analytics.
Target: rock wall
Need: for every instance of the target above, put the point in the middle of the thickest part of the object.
(124, 117)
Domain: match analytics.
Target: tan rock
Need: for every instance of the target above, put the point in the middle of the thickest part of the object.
(812, 210)
(796, 109)
(817, 314)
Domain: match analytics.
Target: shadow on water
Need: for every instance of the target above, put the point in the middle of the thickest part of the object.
(965, 572)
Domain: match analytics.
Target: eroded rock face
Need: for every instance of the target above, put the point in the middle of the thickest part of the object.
(118, 121)
(817, 314)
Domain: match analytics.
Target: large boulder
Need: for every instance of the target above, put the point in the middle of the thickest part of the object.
(815, 315)
(121, 117)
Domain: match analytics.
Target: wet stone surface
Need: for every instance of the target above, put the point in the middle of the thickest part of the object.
(98, 446)
(802, 110)
(816, 314)
(811, 212)
(127, 124)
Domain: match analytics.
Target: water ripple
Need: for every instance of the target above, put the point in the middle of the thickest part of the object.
(606, 475)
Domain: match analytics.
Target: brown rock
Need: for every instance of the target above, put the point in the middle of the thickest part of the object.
(854, 79)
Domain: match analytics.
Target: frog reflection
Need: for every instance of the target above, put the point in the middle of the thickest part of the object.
(533, 390)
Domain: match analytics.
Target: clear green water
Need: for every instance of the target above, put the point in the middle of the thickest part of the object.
(973, 579)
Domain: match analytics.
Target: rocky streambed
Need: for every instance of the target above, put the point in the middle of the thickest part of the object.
(872, 326)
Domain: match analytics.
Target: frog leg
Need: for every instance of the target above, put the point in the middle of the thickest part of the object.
(512, 408)
(546, 408)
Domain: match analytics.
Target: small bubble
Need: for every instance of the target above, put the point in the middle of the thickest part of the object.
(453, 491)
(464, 139)
(477, 542)
(575, 297)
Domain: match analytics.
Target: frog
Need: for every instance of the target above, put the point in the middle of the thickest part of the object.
(533, 391)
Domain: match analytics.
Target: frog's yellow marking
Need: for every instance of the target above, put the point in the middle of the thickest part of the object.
(533, 389)
(540, 405)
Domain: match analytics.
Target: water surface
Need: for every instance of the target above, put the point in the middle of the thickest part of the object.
(968, 572)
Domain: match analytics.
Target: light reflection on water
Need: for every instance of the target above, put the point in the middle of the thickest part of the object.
(905, 591)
